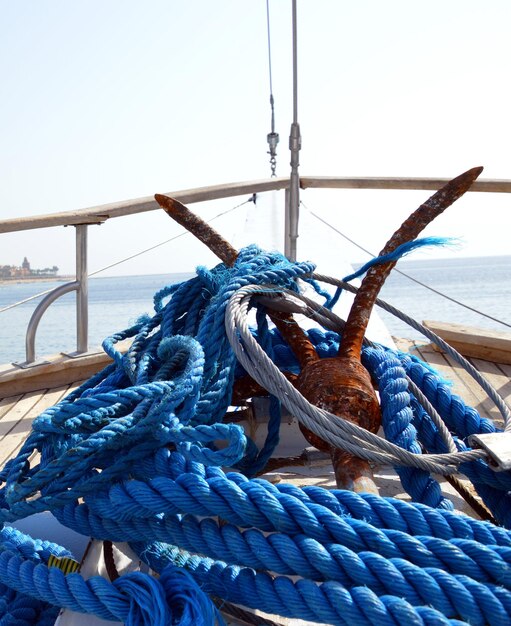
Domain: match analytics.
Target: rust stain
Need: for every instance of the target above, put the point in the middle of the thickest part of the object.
(356, 324)
(246, 387)
(295, 337)
(194, 224)
(342, 385)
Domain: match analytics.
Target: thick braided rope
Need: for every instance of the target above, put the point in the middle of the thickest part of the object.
(19, 609)
(359, 559)
(133, 598)
(249, 505)
(35, 590)
(379, 512)
(493, 487)
(437, 567)
(385, 513)
(397, 419)
(328, 602)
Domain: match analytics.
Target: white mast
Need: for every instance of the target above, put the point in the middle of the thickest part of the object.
(295, 143)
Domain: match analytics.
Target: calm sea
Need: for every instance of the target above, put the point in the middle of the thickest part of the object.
(482, 283)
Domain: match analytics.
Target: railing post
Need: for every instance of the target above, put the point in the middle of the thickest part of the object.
(36, 318)
(81, 286)
(287, 225)
(82, 293)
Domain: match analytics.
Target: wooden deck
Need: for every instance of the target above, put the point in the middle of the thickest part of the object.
(17, 412)
(498, 374)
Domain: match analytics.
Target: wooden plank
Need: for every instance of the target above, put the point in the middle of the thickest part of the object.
(497, 374)
(17, 412)
(506, 368)
(497, 378)
(474, 342)
(46, 400)
(75, 385)
(59, 370)
(411, 183)
(404, 345)
(7, 403)
(100, 213)
(50, 398)
(463, 384)
(484, 406)
(51, 379)
(22, 417)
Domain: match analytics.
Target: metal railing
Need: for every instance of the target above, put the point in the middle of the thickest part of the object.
(81, 219)
(81, 286)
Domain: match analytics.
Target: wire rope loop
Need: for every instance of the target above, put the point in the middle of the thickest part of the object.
(339, 433)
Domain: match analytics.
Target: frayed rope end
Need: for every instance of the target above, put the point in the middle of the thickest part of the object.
(398, 253)
(175, 598)
(403, 250)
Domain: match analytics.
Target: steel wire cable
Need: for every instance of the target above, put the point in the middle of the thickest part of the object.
(340, 433)
(415, 280)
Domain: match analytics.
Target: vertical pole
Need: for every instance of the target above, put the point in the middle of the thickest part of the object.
(295, 144)
(82, 293)
(287, 234)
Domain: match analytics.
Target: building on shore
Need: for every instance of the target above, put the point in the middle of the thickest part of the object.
(10, 272)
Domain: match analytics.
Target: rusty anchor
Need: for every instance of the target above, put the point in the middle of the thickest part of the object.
(340, 385)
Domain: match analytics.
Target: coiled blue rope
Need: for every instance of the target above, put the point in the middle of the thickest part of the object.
(106, 470)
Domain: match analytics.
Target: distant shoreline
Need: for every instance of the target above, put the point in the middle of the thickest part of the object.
(35, 279)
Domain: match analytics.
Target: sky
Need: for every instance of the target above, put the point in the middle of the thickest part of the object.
(110, 100)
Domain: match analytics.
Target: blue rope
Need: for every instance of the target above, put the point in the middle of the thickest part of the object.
(398, 253)
(106, 471)
(397, 423)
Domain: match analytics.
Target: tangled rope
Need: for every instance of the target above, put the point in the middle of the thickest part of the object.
(133, 455)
